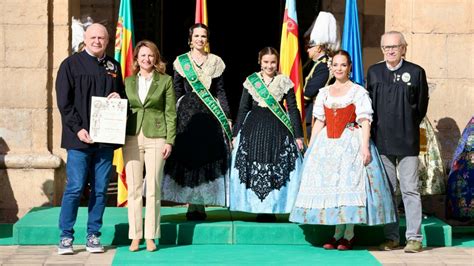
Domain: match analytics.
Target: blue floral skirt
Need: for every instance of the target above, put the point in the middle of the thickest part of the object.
(376, 206)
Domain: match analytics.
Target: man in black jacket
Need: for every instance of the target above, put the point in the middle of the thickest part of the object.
(81, 76)
(399, 93)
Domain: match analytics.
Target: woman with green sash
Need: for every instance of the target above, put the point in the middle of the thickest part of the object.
(196, 170)
(266, 159)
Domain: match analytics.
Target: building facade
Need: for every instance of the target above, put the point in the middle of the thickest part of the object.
(35, 37)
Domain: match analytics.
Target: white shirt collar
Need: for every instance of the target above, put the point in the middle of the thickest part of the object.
(98, 59)
(396, 67)
(146, 78)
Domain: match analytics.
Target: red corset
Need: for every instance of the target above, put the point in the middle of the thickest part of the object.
(338, 119)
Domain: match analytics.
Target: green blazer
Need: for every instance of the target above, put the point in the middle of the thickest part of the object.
(156, 117)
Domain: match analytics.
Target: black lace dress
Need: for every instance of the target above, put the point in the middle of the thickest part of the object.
(195, 172)
(266, 160)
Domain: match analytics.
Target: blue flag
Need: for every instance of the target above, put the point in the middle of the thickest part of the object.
(351, 41)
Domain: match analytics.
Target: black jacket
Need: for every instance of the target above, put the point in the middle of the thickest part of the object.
(316, 80)
(80, 77)
(400, 101)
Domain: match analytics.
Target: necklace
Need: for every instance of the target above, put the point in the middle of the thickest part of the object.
(340, 87)
(201, 59)
(265, 81)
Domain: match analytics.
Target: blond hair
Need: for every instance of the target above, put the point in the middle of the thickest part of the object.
(159, 66)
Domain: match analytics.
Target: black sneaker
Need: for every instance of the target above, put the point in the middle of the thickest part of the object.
(65, 246)
(93, 244)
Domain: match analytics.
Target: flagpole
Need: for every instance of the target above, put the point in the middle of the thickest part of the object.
(351, 41)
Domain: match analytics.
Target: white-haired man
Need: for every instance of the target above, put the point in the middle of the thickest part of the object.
(399, 93)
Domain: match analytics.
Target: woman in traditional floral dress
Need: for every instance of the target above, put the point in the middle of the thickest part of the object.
(460, 192)
(343, 181)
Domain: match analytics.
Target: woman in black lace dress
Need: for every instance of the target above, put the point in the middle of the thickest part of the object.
(195, 172)
(266, 160)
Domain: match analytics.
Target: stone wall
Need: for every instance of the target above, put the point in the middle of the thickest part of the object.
(371, 25)
(35, 38)
(32, 35)
(440, 36)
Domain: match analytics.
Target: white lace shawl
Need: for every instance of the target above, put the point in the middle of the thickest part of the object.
(213, 67)
(277, 88)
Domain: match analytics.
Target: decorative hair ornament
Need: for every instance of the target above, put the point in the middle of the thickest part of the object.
(325, 31)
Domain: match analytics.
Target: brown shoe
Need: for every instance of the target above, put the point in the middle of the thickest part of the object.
(134, 246)
(150, 245)
(413, 246)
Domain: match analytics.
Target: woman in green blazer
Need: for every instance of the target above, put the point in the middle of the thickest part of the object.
(151, 130)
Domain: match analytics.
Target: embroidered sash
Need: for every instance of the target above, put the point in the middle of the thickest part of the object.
(204, 94)
(273, 104)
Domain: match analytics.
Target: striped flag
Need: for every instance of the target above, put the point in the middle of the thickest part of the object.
(124, 42)
(201, 16)
(201, 12)
(290, 60)
(351, 41)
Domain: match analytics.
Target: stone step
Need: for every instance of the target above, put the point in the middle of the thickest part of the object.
(40, 227)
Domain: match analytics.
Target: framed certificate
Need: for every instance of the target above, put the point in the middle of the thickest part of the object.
(108, 120)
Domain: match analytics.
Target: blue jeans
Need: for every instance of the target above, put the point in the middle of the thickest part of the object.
(93, 165)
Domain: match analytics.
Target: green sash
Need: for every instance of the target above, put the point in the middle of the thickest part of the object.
(273, 104)
(204, 94)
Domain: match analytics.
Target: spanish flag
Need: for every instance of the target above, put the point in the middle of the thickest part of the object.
(290, 60)
(201, 12)
(201, 17)
(124, 42)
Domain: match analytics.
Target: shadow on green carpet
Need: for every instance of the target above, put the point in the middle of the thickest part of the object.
(463, 239)
(243, 255)
(6, 234)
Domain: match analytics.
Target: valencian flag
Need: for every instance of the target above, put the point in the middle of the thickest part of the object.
(290, 61)
(351, 41)
(124, 43)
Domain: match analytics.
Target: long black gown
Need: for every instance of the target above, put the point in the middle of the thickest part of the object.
(196, 170)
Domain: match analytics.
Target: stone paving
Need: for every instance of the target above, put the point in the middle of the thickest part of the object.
(46, 255)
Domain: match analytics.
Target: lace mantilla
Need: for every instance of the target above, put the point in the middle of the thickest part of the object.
(278, 88)
(213, 67)
(263, 178)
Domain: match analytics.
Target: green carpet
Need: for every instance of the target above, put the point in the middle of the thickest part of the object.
(243, 255)
(463, 236)
(40, 227)
(463, 240)
(6, 234)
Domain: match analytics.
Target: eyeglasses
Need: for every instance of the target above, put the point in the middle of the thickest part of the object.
(386, 48)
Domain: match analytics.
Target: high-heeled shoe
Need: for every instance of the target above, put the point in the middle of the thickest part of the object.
(134, 246)
(150, 245)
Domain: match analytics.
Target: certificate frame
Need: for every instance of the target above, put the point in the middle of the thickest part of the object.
(108, 120)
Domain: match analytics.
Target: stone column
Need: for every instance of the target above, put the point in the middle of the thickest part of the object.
(33, 36)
